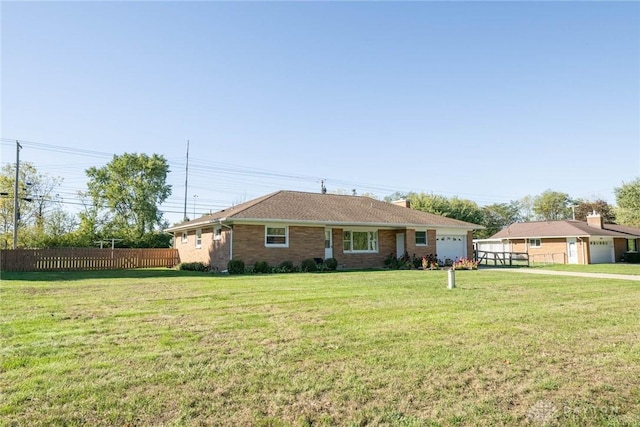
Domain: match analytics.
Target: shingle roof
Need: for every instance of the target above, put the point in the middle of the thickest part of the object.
(559, 229)
(623, 229)
(301, 207)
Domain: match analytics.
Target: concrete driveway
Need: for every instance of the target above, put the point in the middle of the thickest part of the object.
(567, 273)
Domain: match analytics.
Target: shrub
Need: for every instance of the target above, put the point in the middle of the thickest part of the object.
(235, 266)
(261, 267)
(632, 257)
(192, 266)
(309, 265)
(286, 267)
(465, 264)
(331, 264)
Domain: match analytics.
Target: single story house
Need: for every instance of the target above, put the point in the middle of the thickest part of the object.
(565, 242)
(360, 232)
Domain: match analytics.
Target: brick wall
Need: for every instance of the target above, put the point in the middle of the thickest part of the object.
(552, 250)
(304, 242)
(470, 244)
(219, 251)
(420, 251)
(189, 252)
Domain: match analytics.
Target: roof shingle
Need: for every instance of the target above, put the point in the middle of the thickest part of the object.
(294, 206)
(571, 228)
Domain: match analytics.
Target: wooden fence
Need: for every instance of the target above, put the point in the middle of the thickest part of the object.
(502, 259)
(67, 259)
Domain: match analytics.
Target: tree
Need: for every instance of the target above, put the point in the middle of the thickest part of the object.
(585, 207)
(552, 206)
(131, 186)
(36, 196)
(57, 230)
(525, 205)
(498, 216)
(628, 200)
(461, 209)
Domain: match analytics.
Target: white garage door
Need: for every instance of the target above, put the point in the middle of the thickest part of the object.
(601, 250)
(451, 247)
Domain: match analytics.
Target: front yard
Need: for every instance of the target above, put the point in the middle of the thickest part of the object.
(360, 348)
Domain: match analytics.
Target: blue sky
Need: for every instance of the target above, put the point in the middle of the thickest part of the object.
(489, 101)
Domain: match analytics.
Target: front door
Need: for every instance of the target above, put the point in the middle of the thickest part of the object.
(572, 250)
(400, 245)
(328, 243)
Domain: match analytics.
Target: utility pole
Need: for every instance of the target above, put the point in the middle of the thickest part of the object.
(186, 178)
(16, 212)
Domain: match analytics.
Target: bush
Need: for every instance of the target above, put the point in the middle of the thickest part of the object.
(632, 257)
(286, 267)
(235, 266)
(261, 267)
(192, 266)
(331, 264)
(309, 265)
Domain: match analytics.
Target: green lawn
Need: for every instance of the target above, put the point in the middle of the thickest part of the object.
(618, 268)
(361, 348)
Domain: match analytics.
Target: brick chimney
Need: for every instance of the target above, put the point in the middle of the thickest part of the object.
(402, 202)
(594, 220)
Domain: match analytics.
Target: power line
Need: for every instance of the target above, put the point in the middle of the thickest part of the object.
(235, 178)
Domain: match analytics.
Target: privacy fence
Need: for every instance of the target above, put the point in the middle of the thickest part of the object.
(67, 259)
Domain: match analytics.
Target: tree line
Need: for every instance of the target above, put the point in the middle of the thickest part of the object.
(548, 206)
(123, 197)
(121, 205)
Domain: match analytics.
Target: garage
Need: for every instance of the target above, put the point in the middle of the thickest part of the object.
(451, 247)
(601, 250)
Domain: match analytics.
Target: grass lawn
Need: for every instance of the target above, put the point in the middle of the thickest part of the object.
(618, 268)
(389, 348)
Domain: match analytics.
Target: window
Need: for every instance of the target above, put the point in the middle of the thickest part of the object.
(199, 238)
(185, 238)
(421, 238)
(360, 241)
(535, 243)
(217, 232)
(276, 236)
(631, 245)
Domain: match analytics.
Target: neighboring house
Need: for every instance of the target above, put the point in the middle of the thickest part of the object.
(360, 232)
(566, 242)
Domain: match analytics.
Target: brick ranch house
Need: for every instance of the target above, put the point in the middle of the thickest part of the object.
(360, 232)
(566, 242)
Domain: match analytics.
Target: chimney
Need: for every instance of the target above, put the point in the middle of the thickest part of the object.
(594, 220)
(402, 202)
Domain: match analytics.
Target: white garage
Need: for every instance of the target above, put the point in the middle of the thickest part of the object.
(601, 250)
(451, 246)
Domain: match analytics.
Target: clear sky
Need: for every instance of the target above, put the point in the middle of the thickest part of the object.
(489, 101)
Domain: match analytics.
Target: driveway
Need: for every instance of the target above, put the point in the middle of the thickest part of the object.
(567, 273)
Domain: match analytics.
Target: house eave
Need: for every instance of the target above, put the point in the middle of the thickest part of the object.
(314, 223)
(191, 225)
(581, 236)
(318, 223)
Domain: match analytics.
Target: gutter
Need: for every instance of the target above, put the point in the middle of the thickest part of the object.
(336, 224)
(190, 225)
